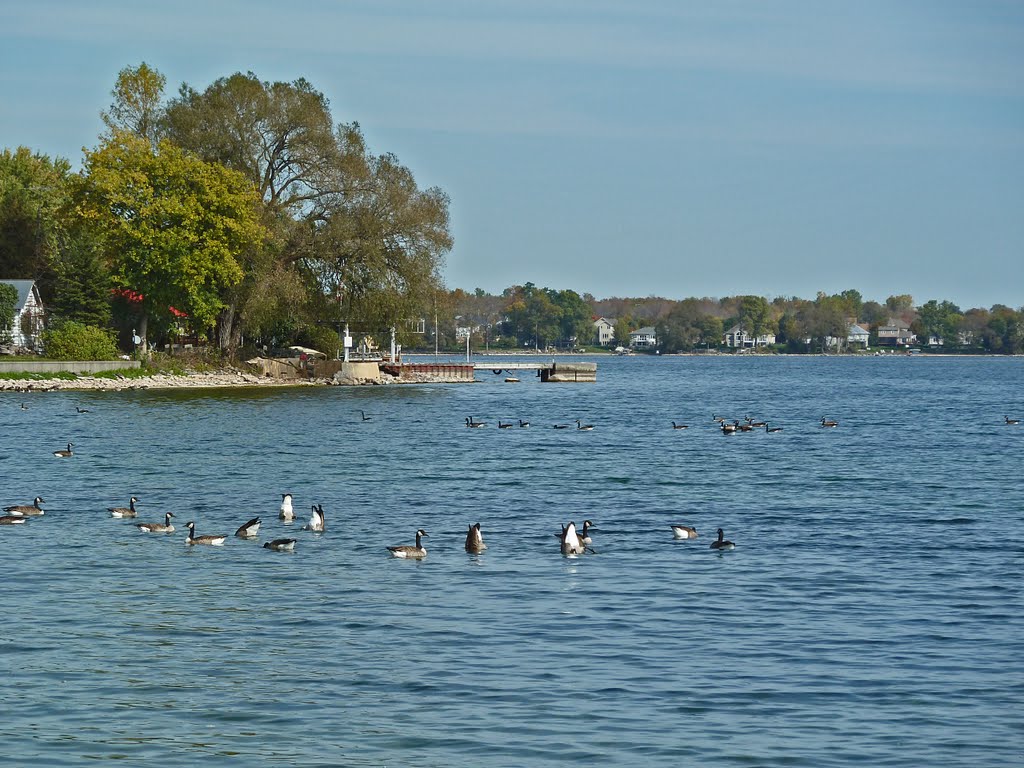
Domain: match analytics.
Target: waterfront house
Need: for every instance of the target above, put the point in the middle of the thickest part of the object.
(856, 336)
(27, 328)
(643, 338)
(604, 330)
(895, 333)
(738, 338)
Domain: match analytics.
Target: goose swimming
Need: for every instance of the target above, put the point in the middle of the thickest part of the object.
(249, 530)
(680, 426)
(128, 511)
(571, 544)
(722, 542)
(81, 410)
(771, 429)
(316, 519)
(475, 424)
(475, 539)
(503, 425)
(408, 552)
(365, 417)
(164, 527)
(1011, 421)
(828, 423)
(523, 424)
(560, 426)
(280, 545)
(287, 513)
(12, 520)
(728, 429)
(65, 454)
(27, 510)
(213, 541)
(585, 532)
(684, 532)
(583, 427)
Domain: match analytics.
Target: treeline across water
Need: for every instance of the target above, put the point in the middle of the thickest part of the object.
(525, 315)
(242, 215)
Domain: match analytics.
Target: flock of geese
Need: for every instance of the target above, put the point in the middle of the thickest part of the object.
(572, 540)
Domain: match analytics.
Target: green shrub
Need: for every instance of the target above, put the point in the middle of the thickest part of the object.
(321, 339)
(74, 341)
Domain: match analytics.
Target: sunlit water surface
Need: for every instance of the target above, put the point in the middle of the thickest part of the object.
(870, 614)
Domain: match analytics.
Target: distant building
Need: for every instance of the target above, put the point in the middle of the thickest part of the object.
(738, 338)
(28, 314)
(895, 334)
(604, 330)
(643, 338)
(856, 336)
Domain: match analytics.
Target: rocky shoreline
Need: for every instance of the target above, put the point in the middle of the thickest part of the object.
(156, 381)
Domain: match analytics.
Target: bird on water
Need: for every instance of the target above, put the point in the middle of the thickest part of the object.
(164, 527)
(287, 513)
(210, 540)
(128, 511)
(280, 545)
(27, 510)
(408, 552)
(684, 532)
(475, 539)
(66, 453)
(722, 542)
(249, 530)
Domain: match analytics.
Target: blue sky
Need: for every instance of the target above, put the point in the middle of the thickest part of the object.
(685, 148)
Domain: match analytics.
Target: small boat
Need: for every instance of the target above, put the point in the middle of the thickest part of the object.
(511, 380)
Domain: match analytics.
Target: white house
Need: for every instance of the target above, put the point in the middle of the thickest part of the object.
(28, 314)
(604, 330)
(643, 337)
(856, 336)
(737, 337)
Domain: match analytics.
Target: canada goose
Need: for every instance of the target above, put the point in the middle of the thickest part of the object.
(1011, 421)
(722, 543)
(771, 429)
(743, 427)
(503, 425)
(24, 407)
(753, 423)
(523, 424)
(828, 423)
(585, 533)
(280, 545)
(680, 426)
(411, 553)
(213, 541)
(571, 544)
(560, 426)
(365, 417)
(583, 427)
(81, 410)
(286, 508)
(728, 429)
(249, 530)
(684, 532)
(719, 419)
(128, 511)
(475, 424)
(27, 510)
(164, 527)
(64, 454)
(316, 519)
(11, 520)
(475, 539)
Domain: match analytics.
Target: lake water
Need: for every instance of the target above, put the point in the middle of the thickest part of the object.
(871, 613)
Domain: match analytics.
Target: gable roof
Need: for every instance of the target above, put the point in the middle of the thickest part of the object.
(647, 330)
(24, 289)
